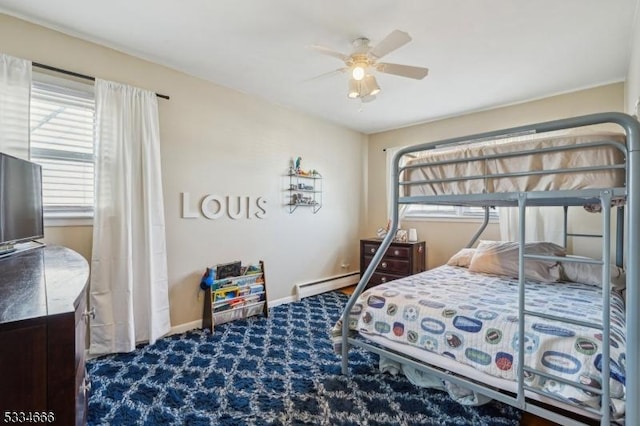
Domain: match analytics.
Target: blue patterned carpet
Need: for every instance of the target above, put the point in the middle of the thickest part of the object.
(279, 370)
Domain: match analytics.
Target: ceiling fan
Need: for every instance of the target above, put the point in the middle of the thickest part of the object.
(363, 61)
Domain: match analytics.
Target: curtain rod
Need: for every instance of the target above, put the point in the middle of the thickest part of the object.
(75, 74)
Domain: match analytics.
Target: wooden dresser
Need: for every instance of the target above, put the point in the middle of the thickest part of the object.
(42, 336)
(400, 260)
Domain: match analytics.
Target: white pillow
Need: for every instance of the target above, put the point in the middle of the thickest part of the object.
(462, 258)
(501, 258)
(591, 274)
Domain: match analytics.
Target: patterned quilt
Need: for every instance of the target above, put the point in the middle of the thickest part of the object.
(473, 318)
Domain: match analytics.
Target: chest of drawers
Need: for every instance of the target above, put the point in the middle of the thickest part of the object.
(43, 320)
(400, 260)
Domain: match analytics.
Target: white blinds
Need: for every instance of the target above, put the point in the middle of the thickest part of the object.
(62, 141)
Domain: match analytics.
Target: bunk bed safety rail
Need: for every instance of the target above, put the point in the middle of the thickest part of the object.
(484, 160)
(628, 123)
(522, 153)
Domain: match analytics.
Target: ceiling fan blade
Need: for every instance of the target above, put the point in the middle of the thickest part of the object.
(390, 43)
(403, 70)
(327, 74)
(330, 52)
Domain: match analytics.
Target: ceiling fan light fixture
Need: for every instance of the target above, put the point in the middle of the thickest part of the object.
(358, 71)
(366, 88)
(371, 86)
(354, 89)
(364, 60)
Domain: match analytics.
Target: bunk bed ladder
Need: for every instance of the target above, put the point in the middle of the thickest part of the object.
(604, 392)
(619, 233)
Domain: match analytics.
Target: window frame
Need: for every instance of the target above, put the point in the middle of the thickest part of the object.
(459, 214)
(56, 215)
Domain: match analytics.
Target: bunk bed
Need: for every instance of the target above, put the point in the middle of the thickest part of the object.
(516, 167)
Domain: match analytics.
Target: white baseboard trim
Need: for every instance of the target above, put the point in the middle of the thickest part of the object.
(302, 290)
(282, 301)
(181, 328)
(178, 329)
(329, 284)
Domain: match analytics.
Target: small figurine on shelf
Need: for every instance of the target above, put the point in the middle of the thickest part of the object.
(295, 169)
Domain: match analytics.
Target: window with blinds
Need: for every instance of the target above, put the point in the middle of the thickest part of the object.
(62, 141)
(429, 211)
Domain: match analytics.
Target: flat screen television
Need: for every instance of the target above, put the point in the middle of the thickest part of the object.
(20, 202)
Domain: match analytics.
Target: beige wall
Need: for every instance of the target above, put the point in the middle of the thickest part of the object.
(78, 238)
(444, 238)
(218, 141)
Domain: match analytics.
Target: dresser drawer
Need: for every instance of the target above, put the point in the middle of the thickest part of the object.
(394, 251)
(400, 260)
(370, 249)
(381, 278)
(390, 264)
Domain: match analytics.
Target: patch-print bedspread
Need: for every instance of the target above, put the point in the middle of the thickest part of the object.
(473, 319)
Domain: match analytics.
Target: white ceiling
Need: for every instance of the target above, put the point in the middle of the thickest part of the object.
(481, 53)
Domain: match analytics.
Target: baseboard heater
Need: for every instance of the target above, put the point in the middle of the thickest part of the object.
(327, 284)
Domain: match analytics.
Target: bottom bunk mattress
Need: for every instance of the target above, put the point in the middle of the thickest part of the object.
(472, 318)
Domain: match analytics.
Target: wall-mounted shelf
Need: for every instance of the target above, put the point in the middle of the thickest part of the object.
(305, 191)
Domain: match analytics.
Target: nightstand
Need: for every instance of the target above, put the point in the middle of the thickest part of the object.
(400, 260)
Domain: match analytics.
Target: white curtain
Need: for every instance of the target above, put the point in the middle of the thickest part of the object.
(402, 209)
(129, 263)
(15, 96)
(541, 224)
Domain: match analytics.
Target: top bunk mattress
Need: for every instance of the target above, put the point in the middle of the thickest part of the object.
(424, 173)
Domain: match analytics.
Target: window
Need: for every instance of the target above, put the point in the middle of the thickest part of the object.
(448, 212)
(62, 142)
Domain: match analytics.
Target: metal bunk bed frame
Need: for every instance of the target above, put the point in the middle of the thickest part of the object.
(631, 192)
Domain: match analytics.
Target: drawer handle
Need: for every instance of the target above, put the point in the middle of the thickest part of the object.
(383, 279)
(396, 252)
(91, 313)
(85, 387)
(383, 264)
(372, 250)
